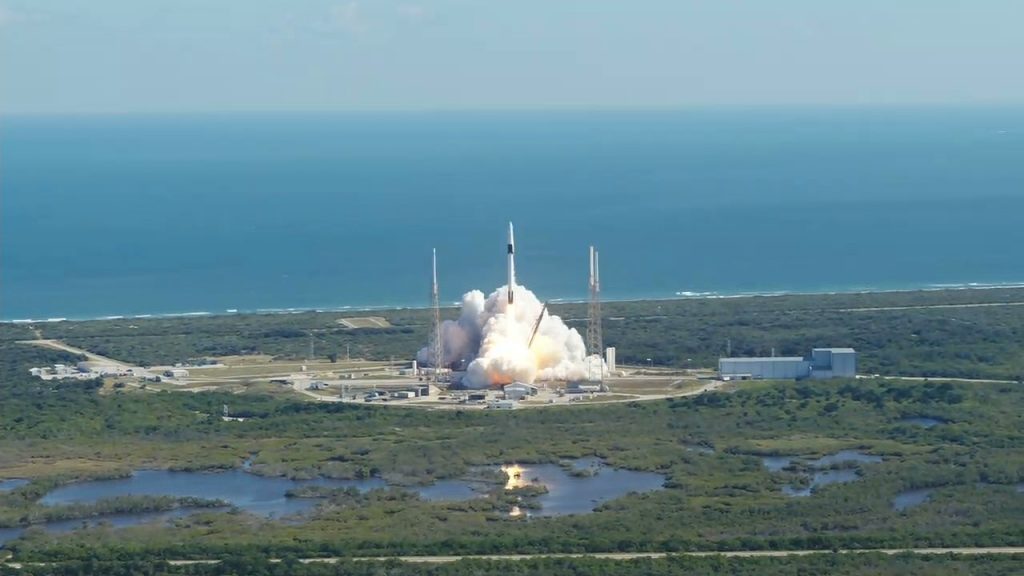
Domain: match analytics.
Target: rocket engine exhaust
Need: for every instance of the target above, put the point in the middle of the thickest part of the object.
(506, 337)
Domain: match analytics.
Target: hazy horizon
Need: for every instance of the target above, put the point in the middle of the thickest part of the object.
(192, 57)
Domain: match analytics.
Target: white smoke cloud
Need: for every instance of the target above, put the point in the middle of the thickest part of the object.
(492, 338)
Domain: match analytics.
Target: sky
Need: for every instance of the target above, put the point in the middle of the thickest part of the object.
(186, 56)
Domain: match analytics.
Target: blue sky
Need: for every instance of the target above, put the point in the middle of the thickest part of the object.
(113, 56)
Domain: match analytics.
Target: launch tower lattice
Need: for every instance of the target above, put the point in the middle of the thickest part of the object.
(436, 345)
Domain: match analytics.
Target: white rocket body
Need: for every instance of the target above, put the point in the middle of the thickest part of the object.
(511, 264)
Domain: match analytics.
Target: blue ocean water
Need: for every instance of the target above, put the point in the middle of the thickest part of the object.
(113, 215)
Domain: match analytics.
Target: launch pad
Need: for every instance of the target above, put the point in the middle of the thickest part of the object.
(510, 336)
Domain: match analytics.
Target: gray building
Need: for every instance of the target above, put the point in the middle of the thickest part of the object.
(778, 368)
(519, 390)
(833, 363)
(823, 363)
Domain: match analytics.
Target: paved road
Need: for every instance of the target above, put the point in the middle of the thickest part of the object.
(728, 554)
(939, 379)
(58, 345)
(611, 556)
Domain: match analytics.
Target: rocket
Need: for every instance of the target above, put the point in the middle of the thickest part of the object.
(511, 264)
(595, 282)
(433, 291)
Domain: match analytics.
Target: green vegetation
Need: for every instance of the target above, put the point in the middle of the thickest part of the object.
(954, 333)
(53, 432)
(831, 564)
(17, 510)
(722, 500)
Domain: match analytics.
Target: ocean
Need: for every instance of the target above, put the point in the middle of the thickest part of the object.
(134, 215)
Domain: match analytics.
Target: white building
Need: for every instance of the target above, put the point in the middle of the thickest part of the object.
(501, 405)
(823, 363)
(609, 358)
(176, 373)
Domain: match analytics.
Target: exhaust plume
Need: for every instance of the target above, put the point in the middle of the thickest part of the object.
(491, 338)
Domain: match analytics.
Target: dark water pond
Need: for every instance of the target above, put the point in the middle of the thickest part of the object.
(579, 494)
(258, 495)
(114, 520)
(911, 498)
(450, 491)
(845, 456)
(924, 422)
(822, 477)
(265, 496)
(776, 463)
(779, 463)
(8, 534)
(6, 485)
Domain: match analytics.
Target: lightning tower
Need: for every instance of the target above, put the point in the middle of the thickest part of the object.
(595, 343)
(437, 346)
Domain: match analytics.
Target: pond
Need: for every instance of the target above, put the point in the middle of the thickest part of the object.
(578, 494)
(776, 463)
(11, 484)
(921, 421)
(822, 477)
(593, 483)
(911, 498)
(450, 491)
(845, 456)
(114, 520)
(779, 463)
(260, 495)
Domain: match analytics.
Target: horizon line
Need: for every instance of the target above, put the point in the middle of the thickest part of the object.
(695, 107)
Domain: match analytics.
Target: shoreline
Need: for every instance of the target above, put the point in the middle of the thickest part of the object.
(680, 295)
